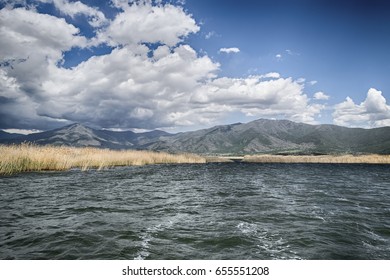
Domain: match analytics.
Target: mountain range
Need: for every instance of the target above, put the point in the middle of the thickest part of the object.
(259, 136)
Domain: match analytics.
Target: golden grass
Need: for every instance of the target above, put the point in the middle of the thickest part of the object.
(370, 159)
(28, 157)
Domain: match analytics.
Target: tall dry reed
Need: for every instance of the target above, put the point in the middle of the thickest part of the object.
(371, 159)
(28, 157)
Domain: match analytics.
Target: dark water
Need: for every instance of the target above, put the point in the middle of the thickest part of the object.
(209, 211)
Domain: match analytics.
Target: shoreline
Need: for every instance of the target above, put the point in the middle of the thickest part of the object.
(332, 159)
(32, 158)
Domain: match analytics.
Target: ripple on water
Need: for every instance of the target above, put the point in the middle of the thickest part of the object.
(209, 211)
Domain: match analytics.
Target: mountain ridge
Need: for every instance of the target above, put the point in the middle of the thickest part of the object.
(78, 135)
(259, 136)
(279, 137)
(7, 135)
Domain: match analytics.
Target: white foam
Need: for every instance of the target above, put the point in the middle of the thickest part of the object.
(271, 243)
(147, 237)
(247, 228)
(144, 253)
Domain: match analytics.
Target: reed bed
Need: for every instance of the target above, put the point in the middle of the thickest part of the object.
(28, 157)
(370, 159)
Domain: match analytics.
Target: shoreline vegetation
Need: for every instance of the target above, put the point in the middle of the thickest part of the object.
(29, 157)
(331, 159)
(338, 159)
(335, 159)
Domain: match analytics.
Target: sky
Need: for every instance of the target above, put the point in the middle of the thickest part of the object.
(182, 65)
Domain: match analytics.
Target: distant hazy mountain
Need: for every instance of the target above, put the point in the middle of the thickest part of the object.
(5, 135)
(260, 136)
(77, 135)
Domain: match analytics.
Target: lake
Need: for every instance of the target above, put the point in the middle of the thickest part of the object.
(198, 211)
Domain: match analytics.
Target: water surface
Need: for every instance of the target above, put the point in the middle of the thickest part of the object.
(198, 211)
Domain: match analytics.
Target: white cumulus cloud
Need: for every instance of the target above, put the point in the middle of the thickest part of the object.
(134, 85)
(126, 88)
(372, 112)
(27, 33)
(32, 44)
(253, 96)
(321, 96)
(142, 22)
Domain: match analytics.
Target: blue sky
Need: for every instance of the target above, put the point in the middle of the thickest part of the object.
(184, 65)
(344, 45)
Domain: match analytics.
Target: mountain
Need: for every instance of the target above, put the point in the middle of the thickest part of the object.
(77, 135)
(5, 135)
(259, 136)
(278, 136)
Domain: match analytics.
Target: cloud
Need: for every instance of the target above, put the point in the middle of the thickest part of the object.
(95, 17)
(9, 4)
(34, 48)
(210, 34)
(32, 45)
(320, 96)
(22, 131)
(29, 32)
(142, 22)
(281, 56)
(290, 52)
(126, 88)
(312, 83)
(272, 75)
(134, 85)
(181, 2)
(19, 102)
(229, 50)
(372, 112)
(253, 96)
